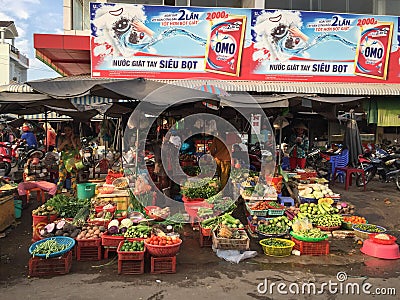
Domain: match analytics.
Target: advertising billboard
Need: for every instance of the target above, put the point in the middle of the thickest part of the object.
(170, 42)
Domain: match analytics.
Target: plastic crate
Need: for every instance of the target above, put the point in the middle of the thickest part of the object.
(125, 255)
(111, 240)
(311, 248)
(232, 244)
(205, 231)
(275, 211)
(39, 267)
(130, 267)
(107, 250)
(308, 200)
(163, 265)
(205, 240)
(88, 249)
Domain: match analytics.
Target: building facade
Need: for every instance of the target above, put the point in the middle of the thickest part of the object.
(14, 65)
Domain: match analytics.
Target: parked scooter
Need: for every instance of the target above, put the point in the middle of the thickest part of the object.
(386, 165)
(5, 158)
(88, 152)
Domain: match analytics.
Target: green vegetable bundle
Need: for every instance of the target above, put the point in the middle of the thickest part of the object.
(49, 247)
(204, 188)
(67, 206)
(139, 231)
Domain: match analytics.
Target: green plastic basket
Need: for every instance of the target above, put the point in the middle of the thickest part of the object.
(258, 213)
(308, 239)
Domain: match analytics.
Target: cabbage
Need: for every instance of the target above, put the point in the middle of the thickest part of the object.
(126, 223)
(113, 223)
(113, 230)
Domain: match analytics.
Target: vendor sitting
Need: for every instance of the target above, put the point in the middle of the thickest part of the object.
(35, 174)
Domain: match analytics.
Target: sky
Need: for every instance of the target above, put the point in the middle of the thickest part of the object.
(33, 16)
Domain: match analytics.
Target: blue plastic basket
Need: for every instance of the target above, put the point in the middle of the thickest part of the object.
(59, 239)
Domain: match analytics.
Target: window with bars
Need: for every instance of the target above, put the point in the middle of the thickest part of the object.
(339, 6)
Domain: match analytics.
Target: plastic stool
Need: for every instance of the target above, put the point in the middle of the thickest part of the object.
(348, 171)
(286, 200)
(40, 196)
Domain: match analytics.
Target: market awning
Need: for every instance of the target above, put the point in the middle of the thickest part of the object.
(311, 88)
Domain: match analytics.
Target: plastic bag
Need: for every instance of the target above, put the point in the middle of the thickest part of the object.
(235, 256)
(303, 224)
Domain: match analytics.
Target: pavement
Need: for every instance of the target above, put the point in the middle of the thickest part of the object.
(200, 274)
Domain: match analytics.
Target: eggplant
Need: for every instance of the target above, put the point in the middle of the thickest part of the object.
(123, 230)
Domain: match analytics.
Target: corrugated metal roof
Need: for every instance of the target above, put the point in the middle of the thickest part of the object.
(16, 88)
(328, 88)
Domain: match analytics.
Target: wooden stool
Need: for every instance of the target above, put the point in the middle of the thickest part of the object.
(40, 196)
(348, 172)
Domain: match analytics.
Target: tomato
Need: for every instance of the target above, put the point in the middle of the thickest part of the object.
(155, 243)
(169, 242)
(148, 240)
(162, 243)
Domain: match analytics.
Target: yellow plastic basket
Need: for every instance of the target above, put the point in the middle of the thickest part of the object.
(275, 250)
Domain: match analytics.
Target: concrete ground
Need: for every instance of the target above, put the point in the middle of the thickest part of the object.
(200, 274)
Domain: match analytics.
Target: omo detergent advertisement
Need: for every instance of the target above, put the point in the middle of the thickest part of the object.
(169, 42)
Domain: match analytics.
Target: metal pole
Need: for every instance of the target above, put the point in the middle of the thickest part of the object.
(45, 122)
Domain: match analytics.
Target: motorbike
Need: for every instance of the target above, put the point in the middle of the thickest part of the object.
(319, 160)
(385, 165)
(87, 152)
(5, 157)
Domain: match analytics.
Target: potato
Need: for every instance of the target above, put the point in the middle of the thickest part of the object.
(95, 228)
(91, 231)
(97, 232)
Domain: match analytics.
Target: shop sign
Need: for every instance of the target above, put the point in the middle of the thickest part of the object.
(171, 42)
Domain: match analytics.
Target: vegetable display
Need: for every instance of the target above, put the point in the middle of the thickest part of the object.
(317, 209)
(315, 233)
(134, 246)
(370, 228)
(354, 219)
(328, 220)
(163, 240)
(275, 226)
(44, 210)
(60, 228)
(204, 188)
(49, 247)
(274, 243)
(91, 232)
(67, 206)
(139, 231)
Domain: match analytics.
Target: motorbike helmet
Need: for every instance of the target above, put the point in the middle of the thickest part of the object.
(27, 127)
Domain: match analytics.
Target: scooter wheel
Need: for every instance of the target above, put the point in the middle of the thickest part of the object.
(7, 168)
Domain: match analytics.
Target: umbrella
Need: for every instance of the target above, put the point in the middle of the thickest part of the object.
(352, 140)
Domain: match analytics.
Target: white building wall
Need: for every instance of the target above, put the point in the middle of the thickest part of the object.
(4, 64)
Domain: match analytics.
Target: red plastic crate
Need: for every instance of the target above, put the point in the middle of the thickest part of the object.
(89, 242)
(205, 240)
(125, 255)
(205, 231)
(88, 249)
(130, 267)
(39, 267)
(111, 240)
(109, 249)
(163, 265)
(311, 248)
